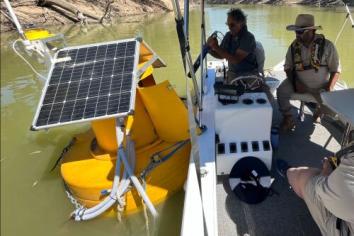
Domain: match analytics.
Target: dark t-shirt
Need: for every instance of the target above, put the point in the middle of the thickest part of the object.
(246, 42)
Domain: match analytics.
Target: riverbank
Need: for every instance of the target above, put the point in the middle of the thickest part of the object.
(56, 12)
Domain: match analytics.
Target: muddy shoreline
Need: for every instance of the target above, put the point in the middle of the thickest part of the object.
(62, 12)
(42, 13)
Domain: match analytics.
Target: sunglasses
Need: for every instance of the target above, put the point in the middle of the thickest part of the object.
(231, 25)
(300, 31)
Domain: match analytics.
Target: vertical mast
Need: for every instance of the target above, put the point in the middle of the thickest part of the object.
(185, 49)
(14, 18)
(348, 16)
(202, 42)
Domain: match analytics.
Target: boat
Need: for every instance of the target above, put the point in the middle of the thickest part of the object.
(232, 125)
(164, 146)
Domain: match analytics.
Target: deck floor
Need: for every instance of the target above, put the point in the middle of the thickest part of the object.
(282, 213)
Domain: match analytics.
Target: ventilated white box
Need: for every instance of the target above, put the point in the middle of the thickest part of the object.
(243, 130)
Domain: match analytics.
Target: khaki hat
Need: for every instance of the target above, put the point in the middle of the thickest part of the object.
(303, 22)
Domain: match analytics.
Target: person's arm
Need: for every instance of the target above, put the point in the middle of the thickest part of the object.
(332, 80)
(247, 45)
(289, 74)
(333, 65)
(232, 58)
(215, 54)
(211, 42)
(289, 65)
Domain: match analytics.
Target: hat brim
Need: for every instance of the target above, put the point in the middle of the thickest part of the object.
(294, 28)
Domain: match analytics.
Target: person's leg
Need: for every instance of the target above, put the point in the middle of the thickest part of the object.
(321, 109)
(304, 181)
(298, 178)
(324, 219)
(284, 92)
(265, 88)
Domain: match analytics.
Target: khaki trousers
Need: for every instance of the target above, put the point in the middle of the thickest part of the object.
(286, 89)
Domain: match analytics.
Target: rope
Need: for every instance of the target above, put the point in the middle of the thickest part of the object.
(24, 59)
(120, 206)
(146, 218)
(145, 210)
(120, 200)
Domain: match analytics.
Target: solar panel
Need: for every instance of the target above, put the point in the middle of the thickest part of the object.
(89, 82)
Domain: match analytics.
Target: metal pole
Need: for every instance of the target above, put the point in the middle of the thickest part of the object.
(202, 42)
(188, 59)
(127, 168)
(349, 15)
(186, 18)
(138, 186)
(14, 18)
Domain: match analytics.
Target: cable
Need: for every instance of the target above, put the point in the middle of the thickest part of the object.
(24, 59)
(341, 30)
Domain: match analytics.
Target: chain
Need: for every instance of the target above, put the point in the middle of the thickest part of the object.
(76, 204)
(72, 199)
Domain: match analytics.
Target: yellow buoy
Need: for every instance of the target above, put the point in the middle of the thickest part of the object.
(156, 127)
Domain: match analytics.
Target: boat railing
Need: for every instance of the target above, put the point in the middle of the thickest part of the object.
(193, 218)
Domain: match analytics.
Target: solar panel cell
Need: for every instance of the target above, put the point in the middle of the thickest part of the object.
(102, 104)
(90, 107)
(67, 111)
(72, 91)
(55, 113)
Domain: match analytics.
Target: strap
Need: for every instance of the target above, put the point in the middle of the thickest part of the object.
(339, 224)
(321, 41)
(309, 67)
(344, 151)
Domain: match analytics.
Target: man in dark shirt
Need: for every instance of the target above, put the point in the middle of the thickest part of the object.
(237, 47)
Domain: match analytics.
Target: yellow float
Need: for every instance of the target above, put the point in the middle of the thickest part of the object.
(158, 128)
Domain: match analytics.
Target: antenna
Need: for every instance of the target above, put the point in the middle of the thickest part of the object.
(348, 16)
(14, 18)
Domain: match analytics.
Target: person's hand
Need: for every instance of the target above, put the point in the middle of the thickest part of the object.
(329, 87)
(326, 167)
(300, 87)
(212, 42)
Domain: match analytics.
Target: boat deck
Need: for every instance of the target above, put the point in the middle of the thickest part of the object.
(283, 213)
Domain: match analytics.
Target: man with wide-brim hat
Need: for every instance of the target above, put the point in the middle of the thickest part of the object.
(304, 22)
(311, 65)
